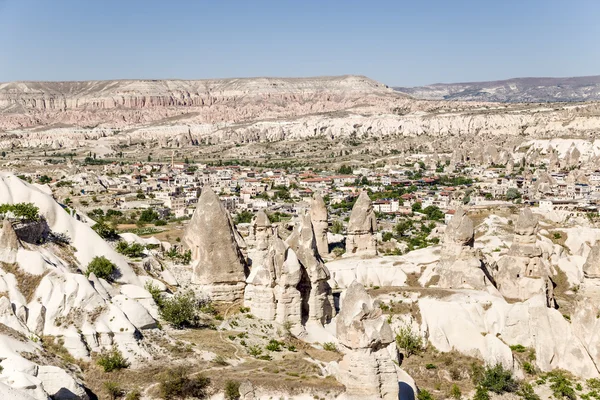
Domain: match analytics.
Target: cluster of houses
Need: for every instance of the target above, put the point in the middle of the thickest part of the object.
(177, 186)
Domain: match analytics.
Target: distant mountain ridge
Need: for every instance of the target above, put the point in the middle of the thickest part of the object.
(516, 90)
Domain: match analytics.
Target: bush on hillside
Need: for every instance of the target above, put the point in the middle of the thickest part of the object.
(102, 267)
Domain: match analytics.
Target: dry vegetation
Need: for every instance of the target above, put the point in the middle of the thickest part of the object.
(26, 282)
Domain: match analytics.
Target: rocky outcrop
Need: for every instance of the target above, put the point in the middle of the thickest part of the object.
(461, 266)
(317, 300)
(9, 243)
(318, 215)
(591, 268)
(367, 369)
(362, 228)
(219, 267)
(288, 283)
(522, 273)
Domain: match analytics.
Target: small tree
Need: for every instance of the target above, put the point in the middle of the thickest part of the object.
(416, 207)
(105, 231)
(244, 217)
(101, 266)
(409, 341)
(513, 194)
(180, 310)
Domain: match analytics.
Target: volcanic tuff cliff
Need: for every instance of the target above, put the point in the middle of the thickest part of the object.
(181, 113)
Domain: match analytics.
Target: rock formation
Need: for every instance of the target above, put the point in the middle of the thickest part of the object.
(522, 273)
(461, 266)
(261, 231)
(318, 215)
(367, 369)
(9, 243)
(219, 267)
(317, 300)
(362, 228)
(288, 281)
(591, 268)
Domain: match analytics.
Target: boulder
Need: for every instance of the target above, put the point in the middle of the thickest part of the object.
(59, 384)
(219, 266)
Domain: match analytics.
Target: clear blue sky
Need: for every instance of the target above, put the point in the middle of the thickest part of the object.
(396, 42)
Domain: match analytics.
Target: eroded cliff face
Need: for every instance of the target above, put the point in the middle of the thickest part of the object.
(181, 113)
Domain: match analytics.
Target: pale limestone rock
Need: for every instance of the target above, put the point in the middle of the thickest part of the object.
(318, 215)
(9, 243)
(461, 266)
(289, 298)
(367, 369)
(360, 323)
(261, 231)
(59, 384)
(523, 273)
(218, 262)
(247, 391)
(317, 300)
(362, 228)
(591, 268)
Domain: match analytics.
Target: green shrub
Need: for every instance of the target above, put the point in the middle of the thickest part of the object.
(134, 250)
(527, 393)
(430, 366)
(481, 394)
(455, 392)
(274, 345)
(329, 346)
(112, 360)
(232, 390)
(518, 348)
(102, 267)
(424, 395)
(105, 231)
(561, 385)
(408, 341)
(529, 368)
(254, 351)
(180, 310)
(155, 292)
(176, 384)
(593, 383)
(244, 217)
(498, 380)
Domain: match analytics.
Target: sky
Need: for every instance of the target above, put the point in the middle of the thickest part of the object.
(397, 42)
